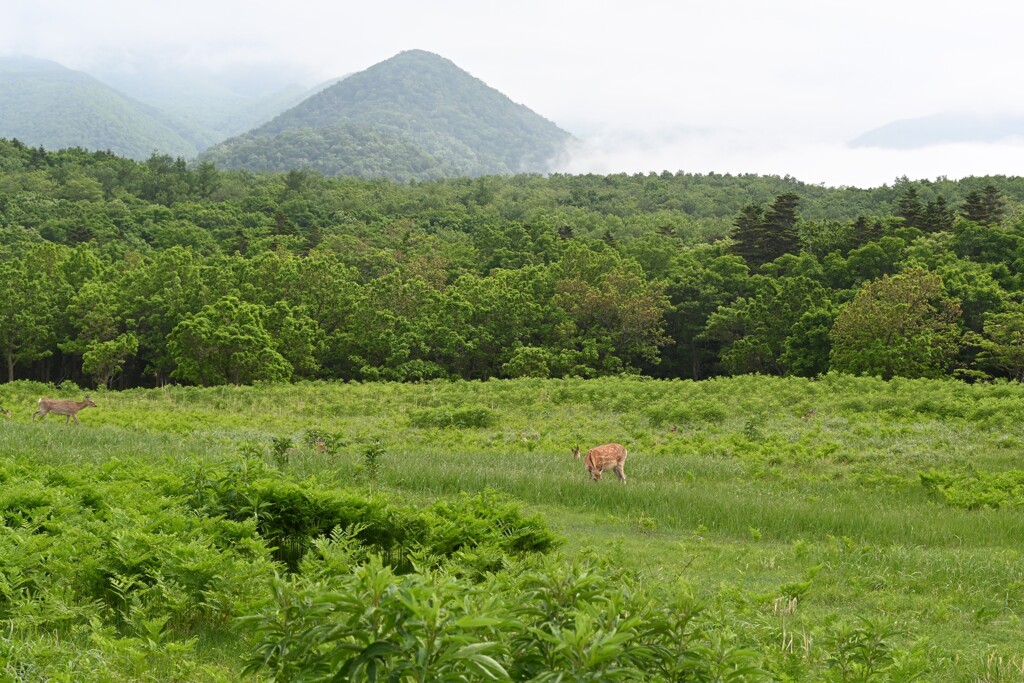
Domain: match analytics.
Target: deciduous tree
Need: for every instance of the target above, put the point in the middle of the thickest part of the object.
(901, 325)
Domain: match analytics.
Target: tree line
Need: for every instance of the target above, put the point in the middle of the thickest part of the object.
(122, 273)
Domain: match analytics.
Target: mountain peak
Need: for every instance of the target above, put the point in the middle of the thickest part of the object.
(417, 105)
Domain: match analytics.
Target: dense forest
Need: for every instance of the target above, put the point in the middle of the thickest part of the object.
(122, 273)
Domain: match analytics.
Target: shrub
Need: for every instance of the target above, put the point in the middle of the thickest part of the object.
(463, 416)
(976, 489)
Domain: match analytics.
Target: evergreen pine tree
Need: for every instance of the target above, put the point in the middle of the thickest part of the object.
(748, 234)
(985, 207)
(910, 208)
(779, 228)
(938, 216)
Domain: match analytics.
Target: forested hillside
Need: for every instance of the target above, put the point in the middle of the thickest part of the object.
(416, 115)
(43, 103)
(140, 273)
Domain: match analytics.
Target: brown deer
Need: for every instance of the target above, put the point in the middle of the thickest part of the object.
(611, 456)
(57, 407)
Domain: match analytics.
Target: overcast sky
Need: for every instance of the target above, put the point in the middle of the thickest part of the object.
(718, 85)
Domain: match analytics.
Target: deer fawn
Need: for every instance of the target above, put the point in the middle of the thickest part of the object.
(611, 456)
(68, 408)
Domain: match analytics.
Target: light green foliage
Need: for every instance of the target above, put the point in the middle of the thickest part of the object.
(973, 490)
(1002, 342)
(104, 360)
(227, 342)
(32, 291)
(901, 325)
(577, 622)
(757, 539)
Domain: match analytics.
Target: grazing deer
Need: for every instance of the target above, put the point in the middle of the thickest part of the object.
(611, 456)
(68, 408)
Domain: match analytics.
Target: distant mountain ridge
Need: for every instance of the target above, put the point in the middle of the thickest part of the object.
(44, 103)
(944, 128)
(416, 115)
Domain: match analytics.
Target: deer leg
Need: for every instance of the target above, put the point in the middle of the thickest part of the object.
(621, 473)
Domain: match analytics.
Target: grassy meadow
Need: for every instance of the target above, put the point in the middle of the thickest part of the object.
(837, 529)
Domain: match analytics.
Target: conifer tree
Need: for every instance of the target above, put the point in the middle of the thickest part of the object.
(748, 234)
(938, 216)
(779, 228)
(985, 207)
(910, 208)
(761, 235)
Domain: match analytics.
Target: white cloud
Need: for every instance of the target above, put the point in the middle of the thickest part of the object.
(832, 164)
(818, 71)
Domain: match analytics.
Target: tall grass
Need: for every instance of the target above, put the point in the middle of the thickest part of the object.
(795, 503)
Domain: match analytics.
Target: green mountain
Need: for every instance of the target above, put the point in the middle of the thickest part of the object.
(416, 115)
(44, 103)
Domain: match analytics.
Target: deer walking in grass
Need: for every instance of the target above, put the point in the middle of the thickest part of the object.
(611, 456)
(67, 408)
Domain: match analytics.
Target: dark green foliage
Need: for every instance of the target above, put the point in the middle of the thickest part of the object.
(910, 208)
(290, 516)
(985, 207)
(938, 216)
(780, 326)
(749, 235)
(762, 235)
(780, 227)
